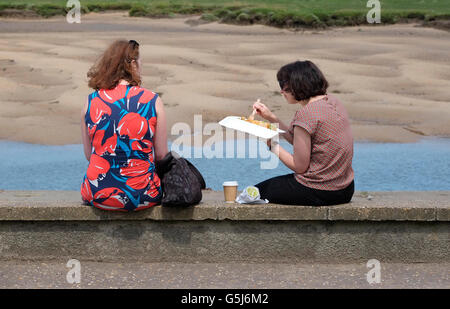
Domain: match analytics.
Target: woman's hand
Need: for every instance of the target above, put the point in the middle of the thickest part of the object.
(264, 111)
(272, 145)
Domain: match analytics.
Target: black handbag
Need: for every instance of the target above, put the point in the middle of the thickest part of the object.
(181, 181)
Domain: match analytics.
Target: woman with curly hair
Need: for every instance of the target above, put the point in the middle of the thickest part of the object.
(123, 128)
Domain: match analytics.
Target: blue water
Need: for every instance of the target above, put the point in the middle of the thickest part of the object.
(421, 166)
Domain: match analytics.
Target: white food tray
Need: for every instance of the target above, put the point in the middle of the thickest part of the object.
(235, 123)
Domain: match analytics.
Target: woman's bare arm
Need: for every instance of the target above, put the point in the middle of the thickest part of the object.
(287, 136)
(87, 145)
(299, 161)
(265, 113)
(160, 137)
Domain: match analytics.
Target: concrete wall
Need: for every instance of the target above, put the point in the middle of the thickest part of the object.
(390, 227)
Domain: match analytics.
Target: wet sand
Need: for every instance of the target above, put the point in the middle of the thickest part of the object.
(394, 80)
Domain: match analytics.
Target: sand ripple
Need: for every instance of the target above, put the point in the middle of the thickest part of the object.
(394, 80)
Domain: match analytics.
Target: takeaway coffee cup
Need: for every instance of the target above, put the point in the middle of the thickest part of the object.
(230, 191)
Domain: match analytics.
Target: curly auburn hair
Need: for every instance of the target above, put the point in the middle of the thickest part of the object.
(115, 64)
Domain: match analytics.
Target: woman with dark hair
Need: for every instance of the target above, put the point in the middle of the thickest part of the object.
(123, 128)
(322, 142)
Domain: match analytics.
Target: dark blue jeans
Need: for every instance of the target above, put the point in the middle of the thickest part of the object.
(287, 190)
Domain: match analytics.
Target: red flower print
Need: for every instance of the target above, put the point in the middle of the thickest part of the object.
(150, 156)
(153, 187)
(98, 110)
(91, 130)
(134, 91)
(111, 197)
(156, 180)
(136, 145)
(148, 143)
(152, 125)
(109, 145)
(146, 97)
(97, 166)
(112, 95)
(135, 167)
(133, 125)
(86, 192)
(139, 182)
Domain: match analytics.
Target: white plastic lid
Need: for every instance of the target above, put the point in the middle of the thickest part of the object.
(230, 183)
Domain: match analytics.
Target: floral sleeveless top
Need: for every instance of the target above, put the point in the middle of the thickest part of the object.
(121, 174)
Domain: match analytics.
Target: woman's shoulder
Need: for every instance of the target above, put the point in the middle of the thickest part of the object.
(146, 90)
(146, 95)
(333, 98)
(323, 105)
(111, 95)
(336, 103)
(316, 109)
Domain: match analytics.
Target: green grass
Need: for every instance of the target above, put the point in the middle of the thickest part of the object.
(280, 13)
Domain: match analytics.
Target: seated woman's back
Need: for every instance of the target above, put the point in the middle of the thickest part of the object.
(120, 125)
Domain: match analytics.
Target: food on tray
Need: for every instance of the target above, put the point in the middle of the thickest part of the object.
(264, 124)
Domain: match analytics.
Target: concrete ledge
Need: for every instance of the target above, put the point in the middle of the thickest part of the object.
(389, 226)
(373, 206)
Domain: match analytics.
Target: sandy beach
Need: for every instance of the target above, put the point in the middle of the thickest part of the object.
(394, 80)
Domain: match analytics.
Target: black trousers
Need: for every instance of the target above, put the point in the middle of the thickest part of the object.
(286, 189)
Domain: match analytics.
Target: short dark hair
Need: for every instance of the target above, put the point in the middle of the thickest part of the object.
(303, 79)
